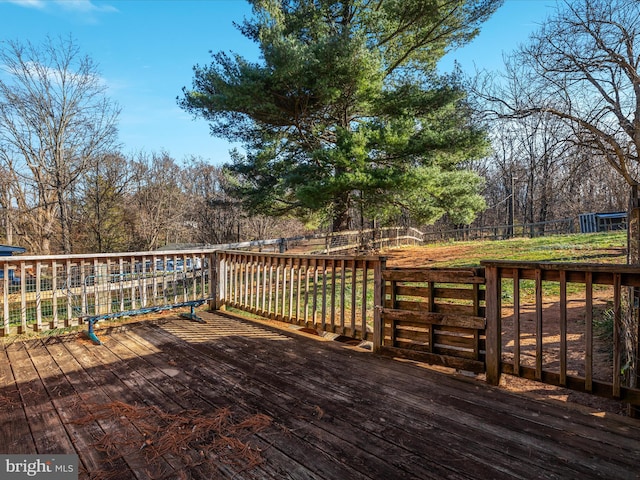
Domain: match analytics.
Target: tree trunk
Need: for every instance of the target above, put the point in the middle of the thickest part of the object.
(65, 231)
(341, 217)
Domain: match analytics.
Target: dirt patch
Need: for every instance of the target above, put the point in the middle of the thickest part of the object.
(417, 257)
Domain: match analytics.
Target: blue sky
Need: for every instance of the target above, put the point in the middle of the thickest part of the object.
(146, 50)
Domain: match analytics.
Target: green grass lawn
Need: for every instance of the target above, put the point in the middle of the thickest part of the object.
(578, 248)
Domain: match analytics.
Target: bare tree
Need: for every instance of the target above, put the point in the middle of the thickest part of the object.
(54, 119)
(216, 216)
(583, 67)
(157, 202)
(101, 205)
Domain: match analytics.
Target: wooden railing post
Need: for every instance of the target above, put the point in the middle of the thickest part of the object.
(220, 280)
(6, 330)
(494, 324)
(213, 280)
(378, 303)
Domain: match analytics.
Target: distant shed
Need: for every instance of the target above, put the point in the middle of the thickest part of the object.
(603, 222)
(8, 250)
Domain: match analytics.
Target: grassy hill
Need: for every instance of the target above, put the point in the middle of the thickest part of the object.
(578, 248)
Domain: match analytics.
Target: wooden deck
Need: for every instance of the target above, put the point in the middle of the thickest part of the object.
(311, 409)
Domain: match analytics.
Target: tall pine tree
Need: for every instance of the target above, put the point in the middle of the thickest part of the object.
(345, 109)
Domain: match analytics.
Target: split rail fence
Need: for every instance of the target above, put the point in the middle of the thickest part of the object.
(562, 324)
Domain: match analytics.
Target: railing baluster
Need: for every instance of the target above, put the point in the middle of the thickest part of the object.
(6, 319)
(258, 280)
(291, 289)
(539, 330)
(516, 321)
(314, 309)
(342, 295)
(38, 326)
(617, 340)
(253, 299)
(378, 303)
(23, 299)
(298, 291)
(276, 303)
(269, 310)
(332, 315)
(307, 275)
(53, 324)
(563, 327)
(323, 319)
(588, 359)
(121, 282)
(246, 263)
(494, 324)
(69, 283)
(354, 296)
(365, 282)
(264, 285)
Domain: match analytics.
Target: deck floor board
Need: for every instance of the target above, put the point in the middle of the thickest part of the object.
(337, 412)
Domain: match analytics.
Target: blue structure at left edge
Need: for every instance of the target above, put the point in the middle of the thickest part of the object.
(7, 251)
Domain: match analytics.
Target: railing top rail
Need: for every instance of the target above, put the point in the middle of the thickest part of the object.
(569, 266)
(371, 258)
(82, 256)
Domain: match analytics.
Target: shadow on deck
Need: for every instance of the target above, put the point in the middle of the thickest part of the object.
(234, 399)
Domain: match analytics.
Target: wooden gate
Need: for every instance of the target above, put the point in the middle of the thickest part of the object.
(435, 315)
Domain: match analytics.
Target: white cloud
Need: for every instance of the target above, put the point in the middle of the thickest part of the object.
(82, 6)
(39, 4)
(86, 8)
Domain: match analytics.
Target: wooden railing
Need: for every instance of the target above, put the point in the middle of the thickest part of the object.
(546, 322)
(39, 293)
(549, 322)
(435, 316)
(334, 294)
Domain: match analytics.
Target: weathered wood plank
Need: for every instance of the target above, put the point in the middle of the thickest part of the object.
(539, 328)
(15, 436)
(338, 405)
(494, 324)
(177, 385)
(314, 442)
(68, 403)
(432, 318)
(436, 307)
(330, 422)
(588, 333)
(440, 292)
(359, 375)
(454, 275)
(46, 427)
(105, 387)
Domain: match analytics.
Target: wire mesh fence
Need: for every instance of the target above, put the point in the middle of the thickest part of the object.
(44, 293)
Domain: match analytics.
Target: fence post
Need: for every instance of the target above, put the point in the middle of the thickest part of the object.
(378, 303)
(213, 281)
(494, 324)
(222, 280)
(6, 330)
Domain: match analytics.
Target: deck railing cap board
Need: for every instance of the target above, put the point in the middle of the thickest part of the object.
(91, 256)
(579, 267)
(368, 258)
